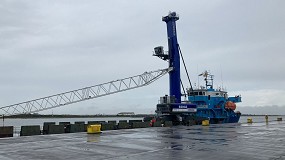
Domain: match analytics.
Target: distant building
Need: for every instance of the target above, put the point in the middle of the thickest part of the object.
(126, 114)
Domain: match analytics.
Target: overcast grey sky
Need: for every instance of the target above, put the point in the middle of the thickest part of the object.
(49, 47)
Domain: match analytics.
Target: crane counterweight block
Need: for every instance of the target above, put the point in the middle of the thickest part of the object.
(83, 94)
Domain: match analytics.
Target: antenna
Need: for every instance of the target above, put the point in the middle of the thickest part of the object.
(222, 77)
(198, 77)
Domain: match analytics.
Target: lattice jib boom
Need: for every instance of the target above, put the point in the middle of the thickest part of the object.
(83, 94)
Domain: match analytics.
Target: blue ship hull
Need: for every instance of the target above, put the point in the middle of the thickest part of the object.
(234, 118)
(216, 115)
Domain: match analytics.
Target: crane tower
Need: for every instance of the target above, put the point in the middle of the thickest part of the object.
(170, 106)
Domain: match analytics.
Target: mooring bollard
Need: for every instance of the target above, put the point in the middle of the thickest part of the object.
(205, 123)
(249, 120)
(95, 128)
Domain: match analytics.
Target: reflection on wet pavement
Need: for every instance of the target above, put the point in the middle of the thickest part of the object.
(219, 141)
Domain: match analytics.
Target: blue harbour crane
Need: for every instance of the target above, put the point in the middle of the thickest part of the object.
(203, 103)
(170, 107)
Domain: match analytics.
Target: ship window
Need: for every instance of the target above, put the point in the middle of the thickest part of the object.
(203, 93)
(209, 97)
(200, 93)
(217, 94)
(164, 100)
(196, 93)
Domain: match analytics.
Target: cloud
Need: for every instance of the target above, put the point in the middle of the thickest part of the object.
(262, 97)
(48, 47)
(263, 110)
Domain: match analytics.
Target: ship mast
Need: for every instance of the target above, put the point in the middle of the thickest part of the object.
(209, 79)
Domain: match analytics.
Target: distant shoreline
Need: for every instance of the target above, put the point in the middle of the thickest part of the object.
(70, 116)
(96, 116)
(261, 115)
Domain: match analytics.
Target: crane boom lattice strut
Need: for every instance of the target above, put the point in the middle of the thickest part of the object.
(83, 94)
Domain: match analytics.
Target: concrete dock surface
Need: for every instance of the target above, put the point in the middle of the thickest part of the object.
(219, 141)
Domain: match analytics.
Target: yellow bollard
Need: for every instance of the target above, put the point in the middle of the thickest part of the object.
(249, 120)
(205, 123)
(95, 128)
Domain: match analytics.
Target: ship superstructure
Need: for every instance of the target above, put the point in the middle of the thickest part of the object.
(214, 104)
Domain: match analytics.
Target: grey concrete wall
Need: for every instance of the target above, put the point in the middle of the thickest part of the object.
(96, 122)
(131, 121)
(85, 127)
(108, 126)
(30, 130)
(73, 128)
(79, 122)
(64, 123)
(45, 126)
(139, 125)
(157, 124)
(113, 122)
(6, 131)
(146, 124)
(55, 129)
(123, 125)
(168, 124)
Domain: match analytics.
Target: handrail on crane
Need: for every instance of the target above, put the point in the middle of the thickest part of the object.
(83, 94)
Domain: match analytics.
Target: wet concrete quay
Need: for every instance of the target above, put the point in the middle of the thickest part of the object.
(220, 141)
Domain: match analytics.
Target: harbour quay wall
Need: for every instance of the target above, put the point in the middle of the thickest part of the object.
(79, 126)
(6, 131)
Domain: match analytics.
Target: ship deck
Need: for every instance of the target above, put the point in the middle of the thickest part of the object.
(220, 141)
